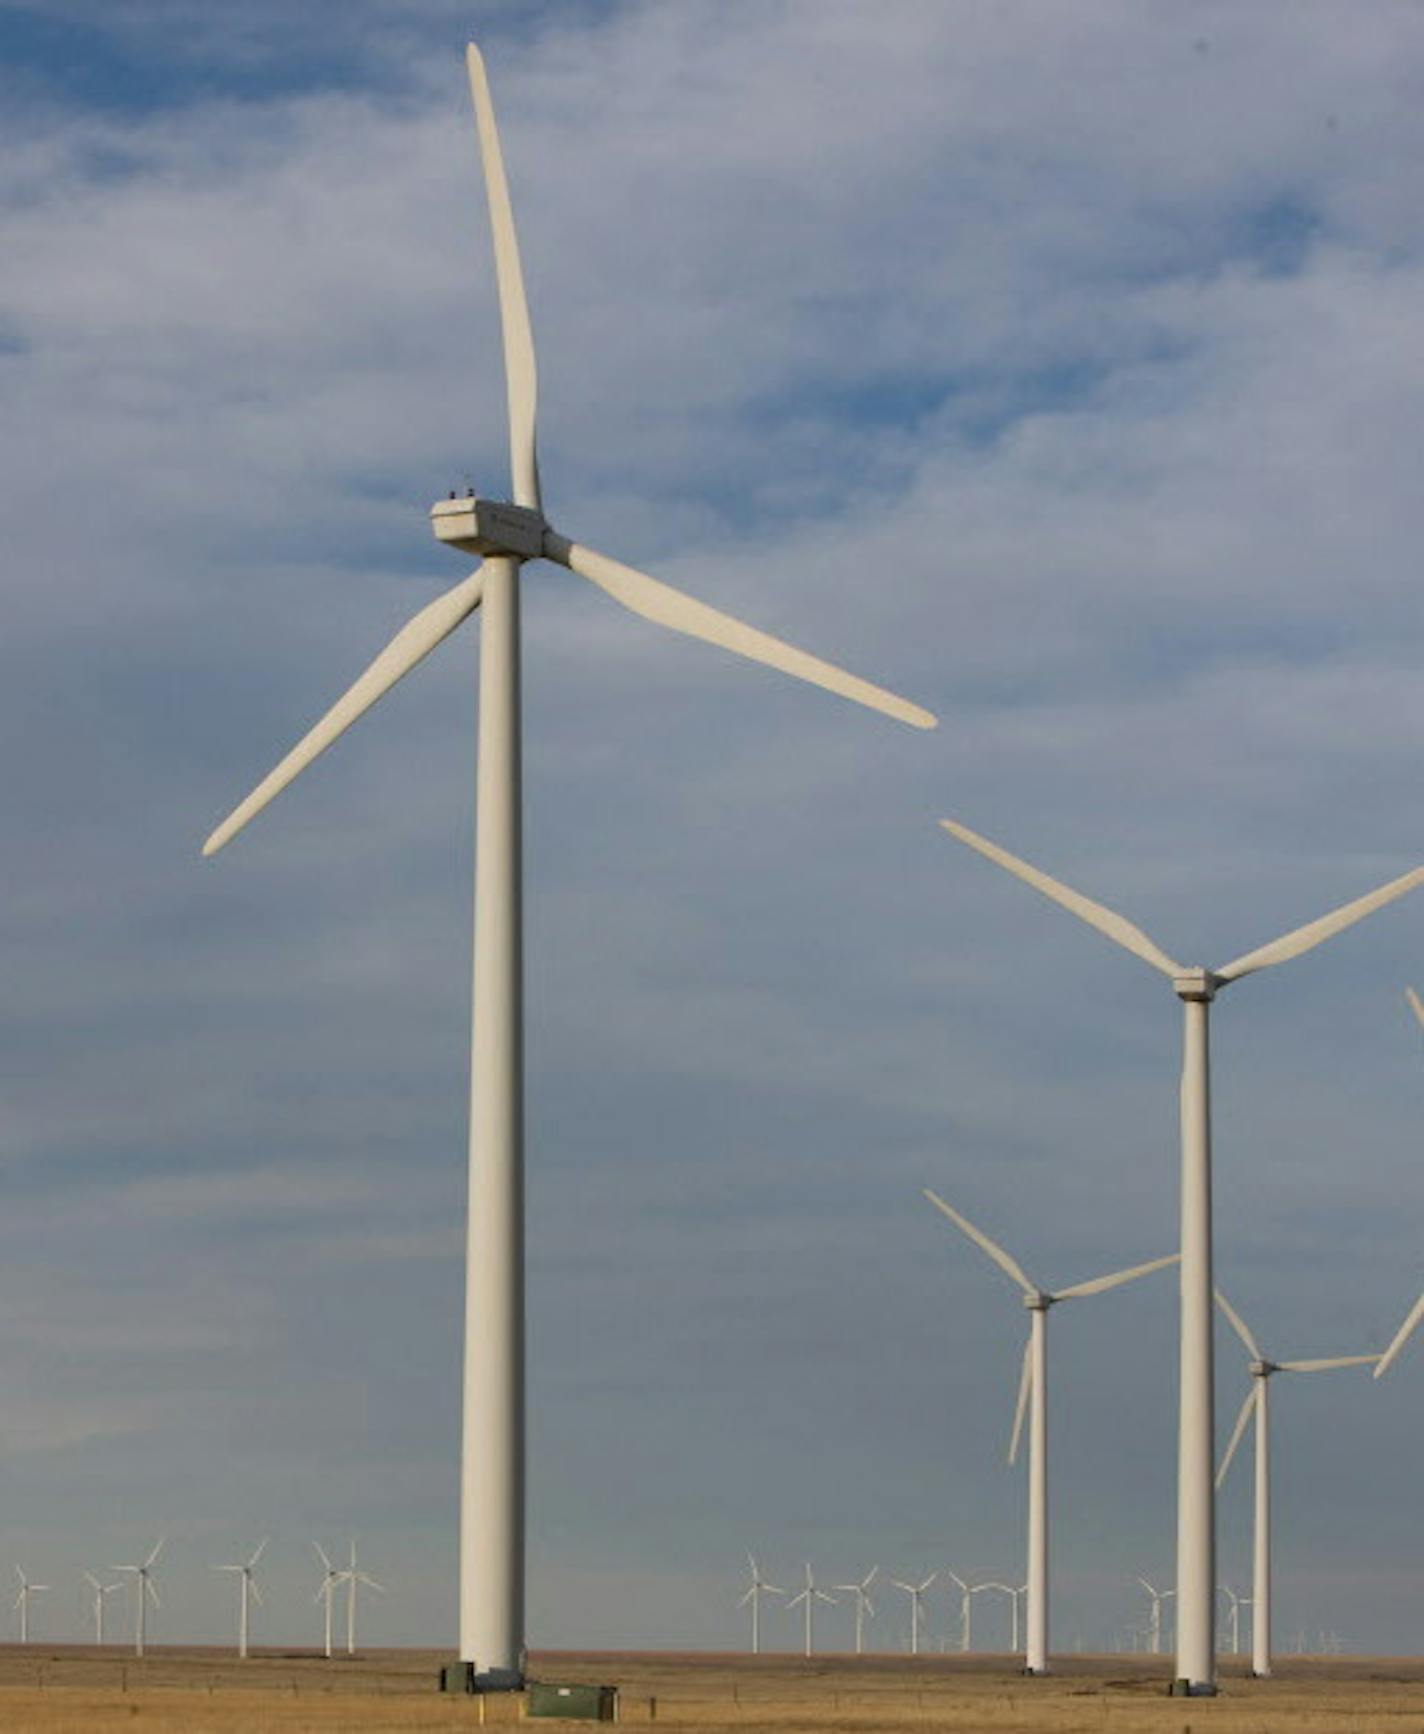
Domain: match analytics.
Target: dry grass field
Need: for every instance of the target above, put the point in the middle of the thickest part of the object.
(66, 1690)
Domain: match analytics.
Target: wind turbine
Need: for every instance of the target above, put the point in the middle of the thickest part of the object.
(351, 1577)
(1237, 1603)
(964, 1610)
(506, 535)
(247, 1586)
(1155, 1629)
(864, 1607)
(1033, 1397)
(810, 1595)
(916, 1593)
(330, 1580)
(144, 1589)
(1257, 1407)
(22, 1602)
(100, 1591)
(1196, 988)
(759, 1588)
(1009, 1591)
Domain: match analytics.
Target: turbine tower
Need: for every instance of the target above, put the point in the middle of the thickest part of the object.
(1196, 988)
(331, 1580)
(1257, 1408)
(1033, 1397)
(965, 1606)
(100, 1591)
(145, 1591)
(351, 1577)
(916, 1593)
(22, 1602)
(247, 1588)
(864, 1607)
(808, 1597)
(759, 1588)
(506, 535)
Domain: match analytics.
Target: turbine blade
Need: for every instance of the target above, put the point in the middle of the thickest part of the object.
(1401, 1337)
(1107, 921)
(321, 1555)
(869, 1577)
(412, 644)
(1238, 1324)
(1326, 1366)
(1021, 1408)
(1245, 1415)
(149, 1586)
(256, 1593)
(261, 1549)
(1006, 1263)
(157, 1549)
(1303, 939)
(747, 1597)
(679, 612)
(1100, 1284)
(928, 1581)
(1416, 1004)
(521, 377)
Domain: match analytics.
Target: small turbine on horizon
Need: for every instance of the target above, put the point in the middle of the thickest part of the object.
(1196, 988)
(100, 1591)
(22, 1602)
(759, 1588)
(351, 1577)
(145, 1591)
(247, 1588)
(1154, 1631)
(808, 1597)
(864, 1607)
(916, 1593)
(965, 1610)
(1033, 1399)
(332, 1579)
(505, 536)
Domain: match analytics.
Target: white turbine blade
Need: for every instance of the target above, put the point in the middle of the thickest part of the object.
(679, 612)
(747, 1597)
(1100, 1284)
(1006, 1263)
(928, 1581)
(321, 1555)
(261, 1549)
(756, 1575)
(869, 1577)
(227, 1568)
(370, 1582)
(1416, 1004)
(1148, 1587)
(256, 1593)
(1401, 1337)
(1239, 1325)
(149, 1586)
(770, 1589)
(157, 1549)
(1107, 921)
(822, 1596)
(18, 1601)
(90, 1579)
(19, 1574)
(899, 1583)
(521, 378)
(1021, 1407)
(411, 645)
(1246, 1410)
(1326, 1366)
(1303, 939)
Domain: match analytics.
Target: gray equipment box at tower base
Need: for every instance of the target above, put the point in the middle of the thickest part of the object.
(582, 1703)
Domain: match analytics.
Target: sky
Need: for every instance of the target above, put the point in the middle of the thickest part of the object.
(1060, 368)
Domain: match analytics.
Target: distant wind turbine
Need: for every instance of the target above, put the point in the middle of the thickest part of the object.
(22, 1602)
(759, 1588)
(808, 1598)
(864, 1607)
(1012, 1594)
(331, 1579)
(1155, 1629)
(1033, 1398)
(1257, 1408)
(1196, 988)
(965, 1593)
(506, 535)
(351, 1577)
(1237, 1603)
(247, 1588)
(916, 1593)
(145, 1591)
(100, 1591)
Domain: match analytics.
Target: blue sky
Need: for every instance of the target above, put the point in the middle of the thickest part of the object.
(1059, 369)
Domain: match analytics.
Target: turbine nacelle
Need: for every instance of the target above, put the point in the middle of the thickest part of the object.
(487, 527)
(1196, 984)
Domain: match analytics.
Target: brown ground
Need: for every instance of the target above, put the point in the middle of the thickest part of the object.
(197, 1691)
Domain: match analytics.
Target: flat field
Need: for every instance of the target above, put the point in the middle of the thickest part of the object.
(207, 1691)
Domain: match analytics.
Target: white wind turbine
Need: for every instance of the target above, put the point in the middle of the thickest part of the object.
(759, 1588)
(1257, 1408)
(1196, 988)
(1237, 1603)
(1009, 1591)
(864, 1607)
(100, 1591)
(247, 1588)
(331, 1579)
(351, 1577)
(144, 1590)
(916, 1593)
(808, 1597)
(1154, 1631)
(506, 535)
(965, 1606)
(1033, 1398)
(22, 1602)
